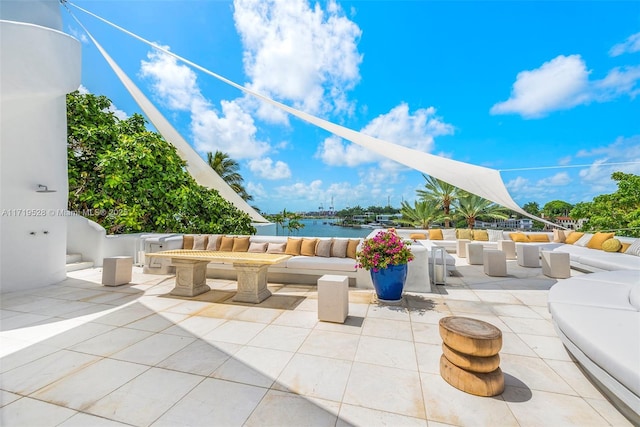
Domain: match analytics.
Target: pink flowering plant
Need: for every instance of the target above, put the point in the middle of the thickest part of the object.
(384, 249)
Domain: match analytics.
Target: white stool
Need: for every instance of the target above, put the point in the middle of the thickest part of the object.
(461, 247)
(333, 298)
(508, 247)
(495, 262)
(474, 253)
(555, 264)
(116, 270)
(528, 255)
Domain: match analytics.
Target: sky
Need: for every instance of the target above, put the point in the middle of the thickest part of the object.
(548, 92)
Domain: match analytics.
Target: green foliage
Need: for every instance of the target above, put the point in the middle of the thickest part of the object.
(421, 214)
(556, 208)
(288, 220)
(617, 211)
(384, 249)
(472, 207)
(534, 209)
(227, 169)
(440, 192)
(129, 179)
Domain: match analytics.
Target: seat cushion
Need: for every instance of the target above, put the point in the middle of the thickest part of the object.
(321, 263)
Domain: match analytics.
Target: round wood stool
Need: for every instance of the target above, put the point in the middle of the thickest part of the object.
(470, 360)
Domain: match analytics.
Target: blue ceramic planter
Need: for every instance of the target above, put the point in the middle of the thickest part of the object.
(389, 282)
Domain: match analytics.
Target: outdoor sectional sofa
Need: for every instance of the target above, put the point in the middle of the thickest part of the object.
(302, 268)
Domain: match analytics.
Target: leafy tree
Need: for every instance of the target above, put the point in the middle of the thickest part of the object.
(556, 208)
(421, 214)
(616, 211)
(472, 207)
(288, 220)
(129, 179)
(443, 193)
(534, 209)
(228, 168)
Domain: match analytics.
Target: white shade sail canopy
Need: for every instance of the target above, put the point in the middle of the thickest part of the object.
(482, 181)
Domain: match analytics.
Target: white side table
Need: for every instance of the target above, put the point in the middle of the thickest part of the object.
(461, 247)
(495, 262)
(116, 270)
(474, 253)
(556, 264)
(333, 298)
(528, 255)
(508, 247)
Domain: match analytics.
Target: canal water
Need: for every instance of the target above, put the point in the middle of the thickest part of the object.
(323, 228)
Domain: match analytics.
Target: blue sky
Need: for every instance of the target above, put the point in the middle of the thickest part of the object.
(506, 85)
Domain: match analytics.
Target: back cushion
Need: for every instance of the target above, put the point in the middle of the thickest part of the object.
(435, 234)
(240, 244)
(214, 242)
(449, 234)
(495, 235)
(256, 247)
(611, 245)
(276, 248)
(418, 236)
(519, 237)
(187, 241)
(465, 233)
(598, 239)
(352, 246)
(308, 247)
(582, 241)
(481, 235)
(323, 248)
(573, 237)
(293, 246)
(339, 248)
(200, 242)
(226, 244)
(538, 238)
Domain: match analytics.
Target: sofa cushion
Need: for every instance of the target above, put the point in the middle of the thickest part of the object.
(598, 239)
(538, 238)
(320, 263)
(256, 247)
(611, 245)
(624, 247)
(240, 244)
(594, 293)
(449, 234)
(573, 237)
(481, 235)
(634, 249)
(226, 244)
(495, 235)
(352, 246)
(200, 242)
(610, 261)
(339, 248)
(308, 247)
(435, 234)
(519, 237)
(323, 248)
(293, 246)
(213, 244)
(276, 248)
(465, 233)
(187, 241)
(584, 240)
(418, 236)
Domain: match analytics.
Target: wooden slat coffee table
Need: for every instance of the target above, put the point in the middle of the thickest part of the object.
(191, 271)
(470, 360)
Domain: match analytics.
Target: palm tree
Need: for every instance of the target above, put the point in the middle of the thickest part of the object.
(443, 193)
(472, 207)
(421, 215)
(227, 168)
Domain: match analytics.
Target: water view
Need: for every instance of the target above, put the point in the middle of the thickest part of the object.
(325, 228)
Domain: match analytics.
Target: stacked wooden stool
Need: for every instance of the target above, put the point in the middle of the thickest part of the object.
(470, 361)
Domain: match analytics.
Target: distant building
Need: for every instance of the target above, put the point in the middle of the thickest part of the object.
(507, 224)
(568, 223)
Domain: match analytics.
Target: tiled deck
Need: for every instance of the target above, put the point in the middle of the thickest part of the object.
(80, 354)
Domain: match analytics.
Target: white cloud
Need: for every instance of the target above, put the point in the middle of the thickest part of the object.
(300, 54)
(630, 45)
(121, 115)
(80, 35)
(398, 126)
(559, 179)
(266, 168)
(558, 84)
(563, 83)
(232, 130)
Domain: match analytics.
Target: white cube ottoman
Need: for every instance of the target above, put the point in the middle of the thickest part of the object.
(474, 253)
(333, 298)
(495, 262)
(528, 255)
(116, 270)
(555, 264)
(508, 247)
(461, 247)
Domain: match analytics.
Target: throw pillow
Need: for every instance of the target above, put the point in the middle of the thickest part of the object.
(538, 238)
(465, 233)
(573, 237)
(634, 249)
(240, 244)
(481, 235)
(214, 242)
(418, 236)
(276, 248)
(200, 242)
(256, 247)
(308, 247)
(598, 239)
(323, 248)
(351, 248)
(558, 236)
(611, 245)
(448, 234)
(339, 248)
(495, 235)
(624, 247)
(187, 241)
(583, 240)
(435, 234)
(519, 237)
(226, 244)
(293, 246)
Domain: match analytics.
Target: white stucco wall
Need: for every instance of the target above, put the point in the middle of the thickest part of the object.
(38, 66)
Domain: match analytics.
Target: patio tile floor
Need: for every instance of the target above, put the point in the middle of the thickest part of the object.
(81, 354)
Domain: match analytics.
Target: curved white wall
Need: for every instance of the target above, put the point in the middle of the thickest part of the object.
(38, 66)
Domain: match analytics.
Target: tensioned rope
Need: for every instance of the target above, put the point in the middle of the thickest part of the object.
(569, 166)
(478, 180)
